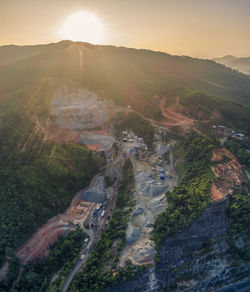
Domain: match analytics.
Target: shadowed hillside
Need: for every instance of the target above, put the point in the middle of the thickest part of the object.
(125, 75)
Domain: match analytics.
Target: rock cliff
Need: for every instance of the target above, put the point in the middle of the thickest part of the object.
(196, 259)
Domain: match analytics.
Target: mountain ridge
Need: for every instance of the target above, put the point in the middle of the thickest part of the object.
(242, 64)
(120, 71)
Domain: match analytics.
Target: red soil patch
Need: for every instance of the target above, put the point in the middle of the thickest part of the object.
(70, 166)
(59, 135)
(38, 246)
(173, 118)
(229, 176)
(101, 132)
(93, 147)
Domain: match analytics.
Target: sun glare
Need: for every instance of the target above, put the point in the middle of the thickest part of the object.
(83, 26)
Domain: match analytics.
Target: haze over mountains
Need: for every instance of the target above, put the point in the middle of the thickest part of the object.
(118, 71)
(121, 152)
(240, 64)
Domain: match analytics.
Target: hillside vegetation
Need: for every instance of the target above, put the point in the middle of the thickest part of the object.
(204, 107)
(207, 110)
(37, 277)
(191, 196)
(241, 64)
(38, 178)
(101, 268)
(140, 78)
(128, 76)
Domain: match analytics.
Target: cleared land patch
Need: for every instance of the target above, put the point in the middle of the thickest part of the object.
(229, 174)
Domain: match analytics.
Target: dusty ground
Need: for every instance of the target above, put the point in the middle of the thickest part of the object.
(59, 135)
(229, 176)
(150, 201)
(96, 141)
(174, 118)
(38, 246)
(96, 193)
(74, 112)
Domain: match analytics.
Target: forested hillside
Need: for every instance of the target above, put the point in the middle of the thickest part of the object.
(128, 76)
(39, 175)
(204, 107)
(241, 64)
(38, 178)
(191, 196)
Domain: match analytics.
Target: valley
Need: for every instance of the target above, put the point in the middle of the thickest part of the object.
(128, 189)
(149, 190)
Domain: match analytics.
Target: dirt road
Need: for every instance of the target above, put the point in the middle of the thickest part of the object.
(94, 238)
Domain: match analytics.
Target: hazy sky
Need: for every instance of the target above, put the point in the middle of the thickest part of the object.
(201, 28)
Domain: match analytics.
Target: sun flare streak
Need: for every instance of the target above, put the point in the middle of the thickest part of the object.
(83, 26)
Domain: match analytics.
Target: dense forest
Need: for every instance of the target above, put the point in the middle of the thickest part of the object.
(239, 149)
(37, 277)
(210, 109)
(38, 178)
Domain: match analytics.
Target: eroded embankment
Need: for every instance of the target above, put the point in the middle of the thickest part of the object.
(229, 174)
(150, 202)
(174, 118)
(77, 115)
(196, 258)
(39, 244)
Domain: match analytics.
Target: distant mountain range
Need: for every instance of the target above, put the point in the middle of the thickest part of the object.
(240, 64)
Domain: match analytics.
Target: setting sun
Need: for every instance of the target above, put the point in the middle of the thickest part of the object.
(83, 26)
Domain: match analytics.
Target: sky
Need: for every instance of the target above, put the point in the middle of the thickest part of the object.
(198, 28)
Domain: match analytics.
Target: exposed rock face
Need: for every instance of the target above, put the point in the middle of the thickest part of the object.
(138, 211)
(161, 149)
(96, 193)
(144, 252)
(229, 175)
(78, 110)
(157, 205)
(113, 170)
(132, 234)
(184, 260)
(104, 142)
(148, 186)
(150, 200)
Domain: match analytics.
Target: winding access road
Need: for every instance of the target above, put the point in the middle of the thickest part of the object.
(94, 237)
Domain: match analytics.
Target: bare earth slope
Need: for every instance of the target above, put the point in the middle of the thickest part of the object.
(229, 175)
